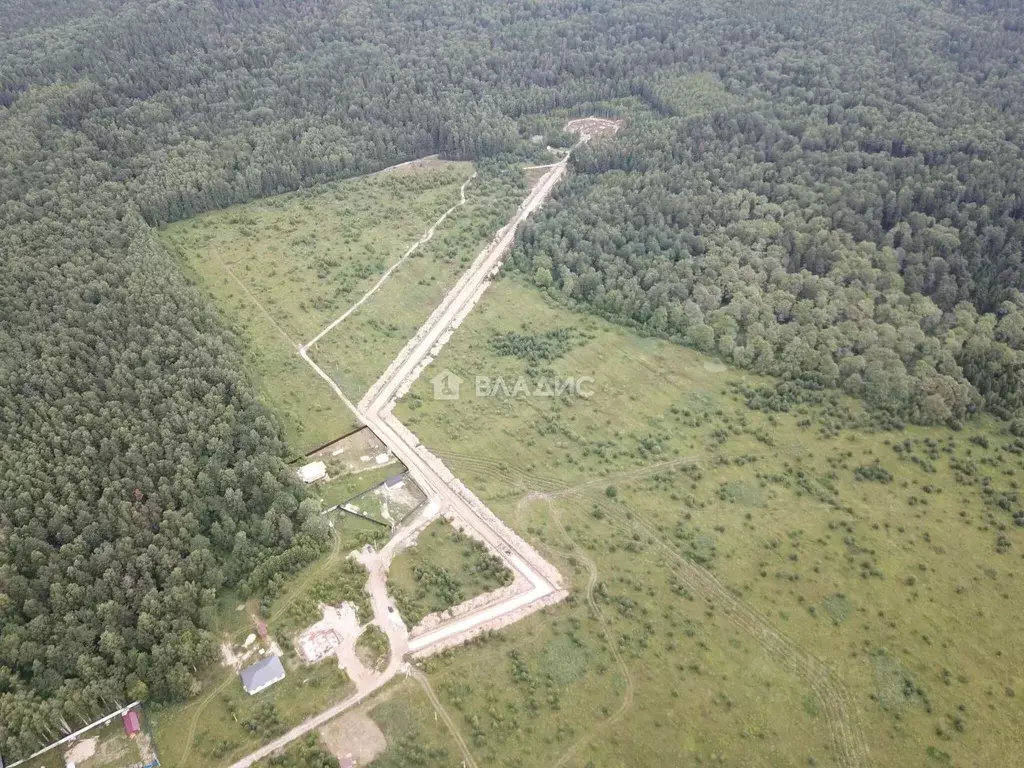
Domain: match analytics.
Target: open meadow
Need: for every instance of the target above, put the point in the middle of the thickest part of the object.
(339, 239)
(443, 569)
(282, 268)
(753, 571)
(358, 352)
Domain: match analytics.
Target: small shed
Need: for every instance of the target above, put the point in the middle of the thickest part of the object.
(312, 472)
(132, 726)
(263, 674)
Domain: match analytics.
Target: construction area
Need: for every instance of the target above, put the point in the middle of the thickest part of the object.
(351, 454)
(389, 503)
(339, 626)
(594, 127)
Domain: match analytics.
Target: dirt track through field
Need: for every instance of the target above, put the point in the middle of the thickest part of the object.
(427, 237)
(628, 695)
(257, 302)
(428, 689)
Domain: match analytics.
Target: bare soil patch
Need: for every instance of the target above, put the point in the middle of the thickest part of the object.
(594, 127)
(81, 752)
(113, 751)
(354, 735)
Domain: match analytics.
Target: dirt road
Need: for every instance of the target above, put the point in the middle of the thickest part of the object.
(445, 493)
(456, 501)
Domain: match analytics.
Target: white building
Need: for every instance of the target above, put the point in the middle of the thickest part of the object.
(313, 472)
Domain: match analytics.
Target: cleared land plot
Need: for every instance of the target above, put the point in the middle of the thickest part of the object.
(358, 467)
(204, 731)
(357, 352)
(890, 556)
(356, 736)
(348, 487)
(390, 502)
(280, 269)
(595, 127)
(352, 454)
(443, 569)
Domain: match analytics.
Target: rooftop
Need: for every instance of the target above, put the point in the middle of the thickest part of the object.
(263, 674)
(312, 472)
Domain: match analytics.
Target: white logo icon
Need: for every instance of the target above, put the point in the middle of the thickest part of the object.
(446, 385)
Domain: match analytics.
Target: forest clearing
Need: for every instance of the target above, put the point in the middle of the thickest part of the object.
(278, 268)
(357, 459)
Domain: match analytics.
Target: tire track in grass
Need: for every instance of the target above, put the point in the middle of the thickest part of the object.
(428, 689)
(195, 719)
(629, 694)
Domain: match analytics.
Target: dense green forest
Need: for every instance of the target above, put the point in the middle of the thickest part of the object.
(840, 202)
(828, 191)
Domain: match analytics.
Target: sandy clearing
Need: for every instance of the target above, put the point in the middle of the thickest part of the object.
(354, 735)
(81, 752)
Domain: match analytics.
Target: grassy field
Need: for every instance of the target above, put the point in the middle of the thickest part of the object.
(415, 735)
(360, 350)
(443, 569)
(693, 527)
(282, 268)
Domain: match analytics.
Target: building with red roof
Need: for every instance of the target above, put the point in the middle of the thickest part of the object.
(131, 722)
